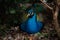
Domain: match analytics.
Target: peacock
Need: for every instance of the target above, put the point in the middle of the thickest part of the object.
(32, 24)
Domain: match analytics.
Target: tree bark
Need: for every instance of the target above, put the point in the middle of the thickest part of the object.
(55, 20)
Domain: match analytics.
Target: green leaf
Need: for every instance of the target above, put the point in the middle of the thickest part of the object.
(12, 11)
(23, 7)
(27, 1)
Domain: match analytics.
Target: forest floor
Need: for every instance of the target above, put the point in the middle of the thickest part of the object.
(14, 33)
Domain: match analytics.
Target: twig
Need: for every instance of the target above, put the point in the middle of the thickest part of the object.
(47, 5)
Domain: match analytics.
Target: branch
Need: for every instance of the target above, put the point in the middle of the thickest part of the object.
(56, 11)
(47, 5)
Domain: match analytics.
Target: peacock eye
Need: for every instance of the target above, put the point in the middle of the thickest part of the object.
(32, 13)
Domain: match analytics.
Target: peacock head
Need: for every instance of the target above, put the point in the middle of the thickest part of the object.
(30, 13)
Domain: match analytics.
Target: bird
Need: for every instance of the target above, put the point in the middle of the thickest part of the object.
(31, 25)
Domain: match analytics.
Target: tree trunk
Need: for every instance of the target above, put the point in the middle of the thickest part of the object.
(55, 20)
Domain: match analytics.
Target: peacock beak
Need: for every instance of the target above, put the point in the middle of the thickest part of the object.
(28, 15)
